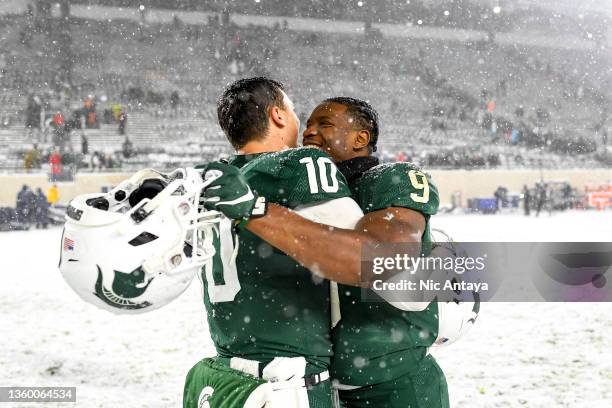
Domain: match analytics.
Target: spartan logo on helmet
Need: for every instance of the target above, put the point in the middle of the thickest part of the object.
(125, 286)
(203, 398)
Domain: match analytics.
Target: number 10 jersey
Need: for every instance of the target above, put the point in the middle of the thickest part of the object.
(261, 303)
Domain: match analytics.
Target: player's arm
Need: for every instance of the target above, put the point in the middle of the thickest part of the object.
(326, 236)
(335, 253)
(301, 233)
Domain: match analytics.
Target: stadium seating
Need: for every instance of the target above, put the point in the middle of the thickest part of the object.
(427, 91)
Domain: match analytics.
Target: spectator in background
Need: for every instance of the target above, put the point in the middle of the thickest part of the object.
(32, 113)
(111, 162)
(32, 159)
(55, 160)
(174, 103)
(487, 121)
(58, 119)
(89, 110)
(526, 198)
(107, 117)
(60, 133)
(116, 110)
(519, 112)
(567, 196)
(53, 195)
(21, 204)
(127, 148)
(122, 122)
(25, 206)
(515, 136)
(91, 120)
(96, 161)
(493, 160)
(77, 120)
(84, 144)
(540, 196)
(42, 209)
(498, 198)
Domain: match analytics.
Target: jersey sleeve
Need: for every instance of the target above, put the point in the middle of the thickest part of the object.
(296, 177)
(339, 212)
(398, 185)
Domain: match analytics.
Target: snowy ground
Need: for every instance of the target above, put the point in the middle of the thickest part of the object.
(532, 354)
(518, 355)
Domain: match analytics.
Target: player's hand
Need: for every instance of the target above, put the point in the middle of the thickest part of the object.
(228, 192)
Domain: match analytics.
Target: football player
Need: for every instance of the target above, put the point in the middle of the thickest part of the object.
(381, 354)
(269, 316)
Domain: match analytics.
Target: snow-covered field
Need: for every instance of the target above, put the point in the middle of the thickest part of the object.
(518, 355)
(532, 354)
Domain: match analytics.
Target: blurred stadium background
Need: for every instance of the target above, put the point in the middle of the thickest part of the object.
(517, 89)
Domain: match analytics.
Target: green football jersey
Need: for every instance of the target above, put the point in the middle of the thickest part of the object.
(375, 342)
(261, 303)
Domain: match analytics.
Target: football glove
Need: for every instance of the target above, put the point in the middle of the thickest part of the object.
(227, 191)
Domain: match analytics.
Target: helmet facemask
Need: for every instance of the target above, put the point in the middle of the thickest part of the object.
(134, 258)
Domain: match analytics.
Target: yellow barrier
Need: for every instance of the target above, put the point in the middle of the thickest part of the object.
(470, 183)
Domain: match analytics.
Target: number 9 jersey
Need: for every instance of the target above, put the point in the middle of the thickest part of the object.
(396, 185)
(376, 342)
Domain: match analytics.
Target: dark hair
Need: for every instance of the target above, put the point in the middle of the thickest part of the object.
(243, 108)
(363, 114)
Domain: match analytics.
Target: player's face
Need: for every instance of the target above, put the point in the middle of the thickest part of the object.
(290, 137)
(330, 129)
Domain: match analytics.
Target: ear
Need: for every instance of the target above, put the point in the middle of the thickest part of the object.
(362, 139)
(278, 116)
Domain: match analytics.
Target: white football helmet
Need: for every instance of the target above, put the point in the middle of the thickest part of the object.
(138, 247)
(455, 318)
